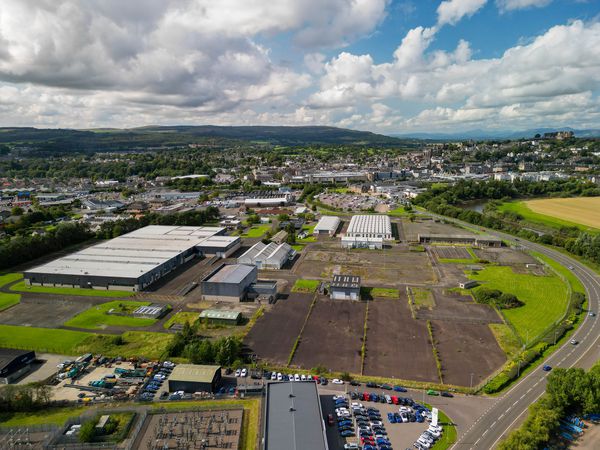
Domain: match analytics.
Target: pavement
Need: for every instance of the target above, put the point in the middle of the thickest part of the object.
(510, 409)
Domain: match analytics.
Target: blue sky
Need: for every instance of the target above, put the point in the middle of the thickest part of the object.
(381, 65)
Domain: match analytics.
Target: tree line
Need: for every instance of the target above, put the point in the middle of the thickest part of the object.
(569, 391)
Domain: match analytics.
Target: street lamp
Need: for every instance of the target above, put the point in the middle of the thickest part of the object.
(471, 384)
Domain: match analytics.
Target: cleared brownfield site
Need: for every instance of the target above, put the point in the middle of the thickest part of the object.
(582, 210)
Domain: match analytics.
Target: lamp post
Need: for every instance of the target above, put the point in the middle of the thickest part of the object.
(471, 383)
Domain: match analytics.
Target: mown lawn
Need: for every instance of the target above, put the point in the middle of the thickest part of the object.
(129, 344)
(42, 339)
(181, 318)
(21, 287)
(576, 285)
(8, 300)
(309, 229)
(305, 285)
(257, 231)
(6, 278)
(545, 298)
(508, 342)
(371, 292)
(97, 317)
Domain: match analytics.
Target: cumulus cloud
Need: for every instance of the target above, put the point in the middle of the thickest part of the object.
(510, 5)
(451, 11)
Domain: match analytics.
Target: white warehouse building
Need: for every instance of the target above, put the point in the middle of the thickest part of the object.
(268, 256)
(367, 231)
(327, 225)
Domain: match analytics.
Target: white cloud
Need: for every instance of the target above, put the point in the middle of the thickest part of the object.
(451, 11)
(510, 5)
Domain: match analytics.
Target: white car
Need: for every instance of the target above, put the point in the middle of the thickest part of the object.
(279, 377)
(244, 372)
(351, 447)
(273, 376)
(336, 381)
(296, 377)
(238, 372)
(356, 405)
(338, 397)
(303, 377)
(376, 423)
(435, 433)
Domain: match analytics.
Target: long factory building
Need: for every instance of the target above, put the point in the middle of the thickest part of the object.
(135, 260)
(367, 231)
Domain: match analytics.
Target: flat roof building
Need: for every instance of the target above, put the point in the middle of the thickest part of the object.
(327, 225)
(293, 417)
(345, 287)
(219, 316)
(228, 282)
(469, 239)
(133, 261)
(194, 378)
(14, 364)
(153, 311)
(365, 242)
(370, 226)
(268, 256)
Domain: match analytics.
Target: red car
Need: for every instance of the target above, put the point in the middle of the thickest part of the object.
(330, 420)
(395, 400)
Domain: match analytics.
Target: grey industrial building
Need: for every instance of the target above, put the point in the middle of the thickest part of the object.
(228, 282)
(194, 378)
(345, 287)
(135, 260)
(220, 316)
(467, 239)
(370, 226)
(268, 256)
(293, 418)
(14, 364)
(327, 225)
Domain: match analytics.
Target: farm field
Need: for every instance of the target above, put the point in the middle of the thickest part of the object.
(580, 212)
(545, 298)
(21, 287)
(98, 317)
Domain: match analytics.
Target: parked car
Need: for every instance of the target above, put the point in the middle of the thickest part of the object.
(354, 383)
(347, 433)
(244, 372)
(446, 394)
(336, 381)
(387, 387)
(372, 384)
(432, 392)
(279, 377)
(399, 389)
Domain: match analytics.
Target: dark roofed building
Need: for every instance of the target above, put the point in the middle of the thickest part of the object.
(228, 282)
(194, 378)
(14, 364)
(345, 287)
(294, 420)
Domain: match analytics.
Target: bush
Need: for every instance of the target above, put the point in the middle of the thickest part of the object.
(497, 298)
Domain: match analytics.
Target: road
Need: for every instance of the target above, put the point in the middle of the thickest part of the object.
(510, 409)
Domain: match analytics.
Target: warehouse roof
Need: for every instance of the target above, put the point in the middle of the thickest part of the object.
(373, 224)
(194, 372)
(8, 355)
(218, 314)
(229, 273)
(133, 254)
(293, 417)
(327, 223)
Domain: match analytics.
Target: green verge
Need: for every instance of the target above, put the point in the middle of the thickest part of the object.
(21, 287)
(529, 215)
(44, 340)
(8, 300)
(257, 231)
(449, 436)
(305, 286)
(508, 342)
(47, 416)
(575, 283)
(545, 298)
(97, 317)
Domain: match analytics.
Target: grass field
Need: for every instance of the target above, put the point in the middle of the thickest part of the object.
(97, 317)
(131, 344)
(257, 231)
(8, 300)
(370, 292)
(423, 298)
(305, 285)
(545, 298)
(181, 318)
(508, 342)
(21, 287)
(64, 342)
(309, 230)
(579, 212)
(576, 285)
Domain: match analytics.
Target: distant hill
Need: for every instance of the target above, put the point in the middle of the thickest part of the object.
(66, 140)
(494, 135)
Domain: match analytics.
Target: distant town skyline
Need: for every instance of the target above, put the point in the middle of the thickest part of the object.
(387, 66)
